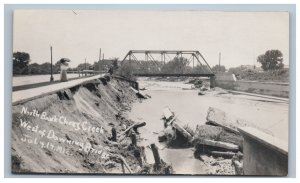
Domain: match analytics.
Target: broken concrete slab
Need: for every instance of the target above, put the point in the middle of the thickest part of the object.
(207, 132)
(218, 117)
(167, 114)
(217, 133)
(229, 122)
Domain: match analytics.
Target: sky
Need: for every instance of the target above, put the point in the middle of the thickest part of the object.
(79, 34)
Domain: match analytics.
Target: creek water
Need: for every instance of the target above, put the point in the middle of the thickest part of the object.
(191, 109)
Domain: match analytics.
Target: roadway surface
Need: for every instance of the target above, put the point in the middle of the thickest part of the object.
(29, 94)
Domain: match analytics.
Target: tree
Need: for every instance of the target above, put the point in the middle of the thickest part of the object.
(178, 65)
(271, 60)
(218, 68)
(20, 62)
(83, 66)
(34, 68)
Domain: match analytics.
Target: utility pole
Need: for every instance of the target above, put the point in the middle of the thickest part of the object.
(51, 77)
(85, 65)
(99, 60)
(219, 62)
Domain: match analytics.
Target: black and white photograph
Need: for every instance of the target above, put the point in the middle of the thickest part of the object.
(150, 92)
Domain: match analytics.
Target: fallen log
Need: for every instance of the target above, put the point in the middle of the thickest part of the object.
(135, 126)
(219, 144)
(222, 154)
(125, 163)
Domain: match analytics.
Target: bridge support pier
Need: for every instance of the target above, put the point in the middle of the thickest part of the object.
(212, 81)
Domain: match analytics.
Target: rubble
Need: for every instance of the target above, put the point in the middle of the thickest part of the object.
(174, 134)
(218, 139)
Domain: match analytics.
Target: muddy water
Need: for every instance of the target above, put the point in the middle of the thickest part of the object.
(191, 109)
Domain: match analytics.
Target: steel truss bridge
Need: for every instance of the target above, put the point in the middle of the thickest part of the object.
(164, 56)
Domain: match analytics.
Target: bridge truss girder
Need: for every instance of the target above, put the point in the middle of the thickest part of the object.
(194, 56)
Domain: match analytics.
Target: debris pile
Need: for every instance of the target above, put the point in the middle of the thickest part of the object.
(205, 90)
(198, 83)
(218, 143)
(174, 134)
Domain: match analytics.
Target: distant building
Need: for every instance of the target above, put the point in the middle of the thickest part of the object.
(252, 67)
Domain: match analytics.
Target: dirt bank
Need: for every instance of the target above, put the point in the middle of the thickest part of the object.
(69, 132)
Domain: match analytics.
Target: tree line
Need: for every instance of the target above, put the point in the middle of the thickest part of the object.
(22, 65)
(271, 60)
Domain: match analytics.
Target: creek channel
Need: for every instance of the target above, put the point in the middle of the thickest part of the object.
(191, 109)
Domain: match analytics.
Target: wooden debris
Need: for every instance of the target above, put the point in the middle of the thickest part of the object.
(156, 156)
(133, 139)
(222, 154)
(125, 163)
(113, 135)
(135, 126)
(122, 165)
(219, 144)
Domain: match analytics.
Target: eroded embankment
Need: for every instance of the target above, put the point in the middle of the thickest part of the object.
(69, 131)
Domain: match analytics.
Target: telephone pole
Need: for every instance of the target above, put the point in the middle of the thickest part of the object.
(99, 60)
(85, 65)
(51, 77)
(219, 62)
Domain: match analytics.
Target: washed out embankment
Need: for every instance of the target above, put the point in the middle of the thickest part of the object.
(71, 131)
